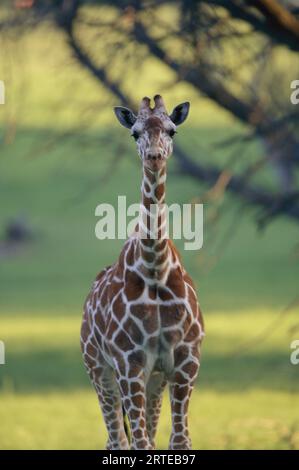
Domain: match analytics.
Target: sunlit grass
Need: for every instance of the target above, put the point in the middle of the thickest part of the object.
(71, 420)
(49, 402)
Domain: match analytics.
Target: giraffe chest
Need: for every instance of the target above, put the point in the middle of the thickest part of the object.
(149, 320)
(155, 322)
(152, 330)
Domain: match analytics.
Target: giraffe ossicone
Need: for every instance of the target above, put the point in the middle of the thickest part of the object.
(142, 326)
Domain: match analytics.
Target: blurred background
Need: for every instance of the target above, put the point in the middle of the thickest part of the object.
(65, 64)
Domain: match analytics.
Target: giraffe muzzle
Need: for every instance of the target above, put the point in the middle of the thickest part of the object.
(154, 161)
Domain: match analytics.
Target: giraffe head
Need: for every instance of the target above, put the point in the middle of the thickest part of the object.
(153, 129)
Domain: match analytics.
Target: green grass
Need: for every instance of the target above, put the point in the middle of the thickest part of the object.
(245, 396)
(247, 391)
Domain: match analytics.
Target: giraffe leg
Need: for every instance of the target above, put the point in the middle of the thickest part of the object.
(103, 379)
(108, 393)
(110, 402)
(131, 382)
(181, 386)
(154, 391)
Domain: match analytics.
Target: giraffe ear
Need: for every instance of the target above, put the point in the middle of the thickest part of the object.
(180, 113)
(125, 116)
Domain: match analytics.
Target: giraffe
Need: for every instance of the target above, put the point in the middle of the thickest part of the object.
(142, 326)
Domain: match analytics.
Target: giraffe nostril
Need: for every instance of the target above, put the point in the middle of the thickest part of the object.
(151, 156)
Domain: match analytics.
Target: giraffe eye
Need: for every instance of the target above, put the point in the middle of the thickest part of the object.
(135, 135)
(172, 132)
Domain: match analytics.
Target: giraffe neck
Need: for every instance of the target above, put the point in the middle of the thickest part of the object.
(154, 248)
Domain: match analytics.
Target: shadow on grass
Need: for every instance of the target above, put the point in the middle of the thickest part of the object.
(45, 370)
(68, 254)
(266, 370)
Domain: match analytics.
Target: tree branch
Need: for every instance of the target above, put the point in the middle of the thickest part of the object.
(272, 203)
(196, 77)
(279, 17)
